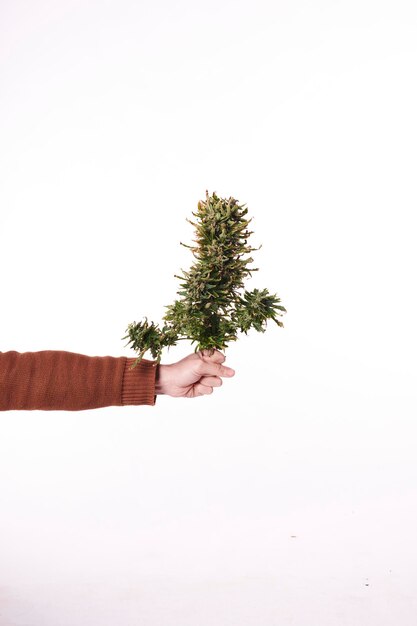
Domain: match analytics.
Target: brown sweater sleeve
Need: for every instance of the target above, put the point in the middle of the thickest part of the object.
(53, 380)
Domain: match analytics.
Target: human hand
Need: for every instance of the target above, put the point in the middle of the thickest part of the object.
(193, 376)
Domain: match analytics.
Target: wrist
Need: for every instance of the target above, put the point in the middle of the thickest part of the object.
(159, 379)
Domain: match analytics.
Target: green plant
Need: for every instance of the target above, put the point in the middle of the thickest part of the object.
(211, 309)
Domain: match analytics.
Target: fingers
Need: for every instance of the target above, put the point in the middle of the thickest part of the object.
(211, 381)
(216, 369)
(210, 370)
(211, 364)
(205, 385)
(216, 357)
(202, 390)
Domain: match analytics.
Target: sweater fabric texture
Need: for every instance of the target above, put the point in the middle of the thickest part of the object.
(56, 380)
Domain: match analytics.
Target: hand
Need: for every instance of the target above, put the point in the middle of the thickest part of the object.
(193, 376)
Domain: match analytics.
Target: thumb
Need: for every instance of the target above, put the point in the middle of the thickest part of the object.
(213, 357)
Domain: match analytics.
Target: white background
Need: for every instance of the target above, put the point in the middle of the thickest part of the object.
(288, 497)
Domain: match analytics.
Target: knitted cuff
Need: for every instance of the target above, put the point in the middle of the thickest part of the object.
(138, 385)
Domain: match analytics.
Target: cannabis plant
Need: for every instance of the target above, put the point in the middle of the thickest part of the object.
(211, 308)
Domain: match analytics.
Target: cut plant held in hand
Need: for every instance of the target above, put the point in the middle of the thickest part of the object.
(212, 307)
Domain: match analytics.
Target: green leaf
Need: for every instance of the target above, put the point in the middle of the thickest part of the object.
(212, 309)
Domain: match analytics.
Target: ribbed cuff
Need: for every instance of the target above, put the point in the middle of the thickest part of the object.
(138, 385)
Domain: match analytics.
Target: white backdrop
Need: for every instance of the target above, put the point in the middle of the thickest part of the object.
(288, 497)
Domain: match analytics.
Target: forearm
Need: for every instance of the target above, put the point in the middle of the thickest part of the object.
(65, 381)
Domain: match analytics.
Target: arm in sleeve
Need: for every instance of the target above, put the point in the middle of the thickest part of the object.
(53, 380)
